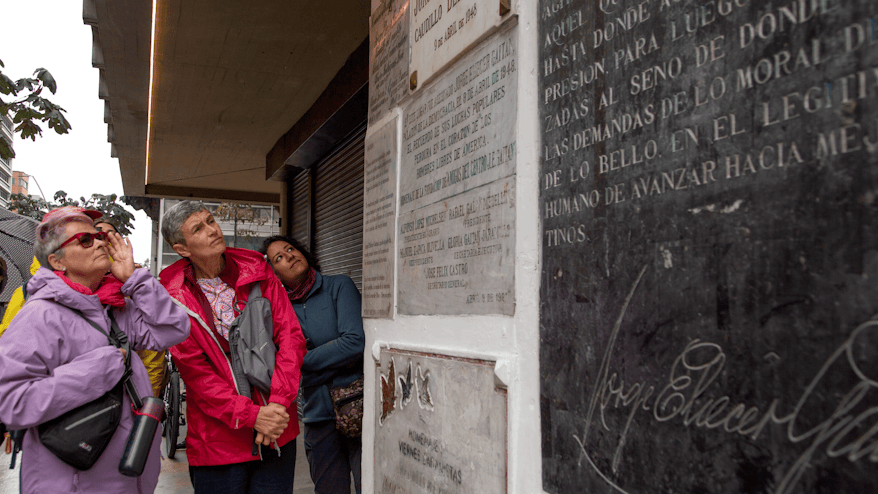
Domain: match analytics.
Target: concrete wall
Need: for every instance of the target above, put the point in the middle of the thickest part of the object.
(513, 342)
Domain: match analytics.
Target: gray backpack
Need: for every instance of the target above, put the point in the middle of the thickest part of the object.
(251, 339)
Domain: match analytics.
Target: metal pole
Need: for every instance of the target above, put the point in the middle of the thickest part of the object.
(38, 187)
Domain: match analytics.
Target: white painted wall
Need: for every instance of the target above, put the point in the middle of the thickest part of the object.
(511, 341)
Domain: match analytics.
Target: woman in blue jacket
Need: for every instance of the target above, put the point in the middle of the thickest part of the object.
(328, 308)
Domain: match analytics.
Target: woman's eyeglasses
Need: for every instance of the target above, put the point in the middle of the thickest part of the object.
(86, 239)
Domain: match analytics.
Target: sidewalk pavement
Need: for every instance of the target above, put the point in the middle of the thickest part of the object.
(9, 478)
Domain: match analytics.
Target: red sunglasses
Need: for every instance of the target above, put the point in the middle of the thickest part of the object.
(86, 239)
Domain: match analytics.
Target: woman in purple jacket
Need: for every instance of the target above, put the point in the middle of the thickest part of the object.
(52, 360)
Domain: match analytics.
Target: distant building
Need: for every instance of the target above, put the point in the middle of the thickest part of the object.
(20, 182)
(5, 165)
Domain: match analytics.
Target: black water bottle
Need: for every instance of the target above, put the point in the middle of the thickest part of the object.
(146, 421)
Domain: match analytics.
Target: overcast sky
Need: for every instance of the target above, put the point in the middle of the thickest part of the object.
(50, 34)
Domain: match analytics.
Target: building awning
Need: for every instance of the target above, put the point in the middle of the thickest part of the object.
(229, 80)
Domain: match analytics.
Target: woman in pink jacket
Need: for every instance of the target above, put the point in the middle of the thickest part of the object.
(213, 282)
(52, 360)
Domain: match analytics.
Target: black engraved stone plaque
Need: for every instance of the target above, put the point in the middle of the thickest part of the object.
(709, 295)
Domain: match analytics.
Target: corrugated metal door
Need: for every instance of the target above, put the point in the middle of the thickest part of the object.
(338, 209)
(301, 208)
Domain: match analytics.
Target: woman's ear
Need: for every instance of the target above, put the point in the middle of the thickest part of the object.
(182, 250)
(55, 263)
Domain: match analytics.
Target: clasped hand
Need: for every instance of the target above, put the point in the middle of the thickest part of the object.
(271, 422)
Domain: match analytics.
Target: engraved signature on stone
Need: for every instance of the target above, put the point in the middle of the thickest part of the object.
(694, 373)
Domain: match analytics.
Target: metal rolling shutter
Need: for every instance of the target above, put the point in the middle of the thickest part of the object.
(338, 211)
(301, 206)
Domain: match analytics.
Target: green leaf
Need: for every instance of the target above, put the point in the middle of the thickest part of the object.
(24, 114)
(48, 81)
(26, 83)
(7, 85)
(41, 103)
(60, 126)
(6, 151)
(26, 206)
(28, 112)
(29, 129)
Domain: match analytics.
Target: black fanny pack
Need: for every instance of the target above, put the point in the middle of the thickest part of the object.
(80, 436)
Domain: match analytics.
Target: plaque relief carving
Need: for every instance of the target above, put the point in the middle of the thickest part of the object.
(708, 178)
(440, 425)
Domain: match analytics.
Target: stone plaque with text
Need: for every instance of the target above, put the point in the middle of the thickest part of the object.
(459, 133)
(389, 50)
(709, 205)
(440, 426)
(379, 221)
(441, 30)
(458, 256)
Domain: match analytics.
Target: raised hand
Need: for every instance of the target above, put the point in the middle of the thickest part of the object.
(122, 252)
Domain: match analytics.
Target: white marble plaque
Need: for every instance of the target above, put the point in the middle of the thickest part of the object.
(389, 51)
(458, 256)
(379, 221)
(459, 133)
(440, 426)
(441, 30)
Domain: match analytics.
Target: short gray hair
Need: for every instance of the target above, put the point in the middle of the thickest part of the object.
(175, 216)
(51, 233)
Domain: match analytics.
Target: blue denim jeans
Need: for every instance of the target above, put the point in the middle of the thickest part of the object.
(333, 458)
(272, 475)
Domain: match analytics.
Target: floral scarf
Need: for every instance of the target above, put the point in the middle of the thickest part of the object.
(221, 298)
(300, 291)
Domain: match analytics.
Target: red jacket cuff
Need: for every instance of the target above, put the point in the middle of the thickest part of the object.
(246, 415)
(280, 400)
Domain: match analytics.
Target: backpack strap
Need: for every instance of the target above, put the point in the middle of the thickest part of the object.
(255, 292)
(119, 339)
